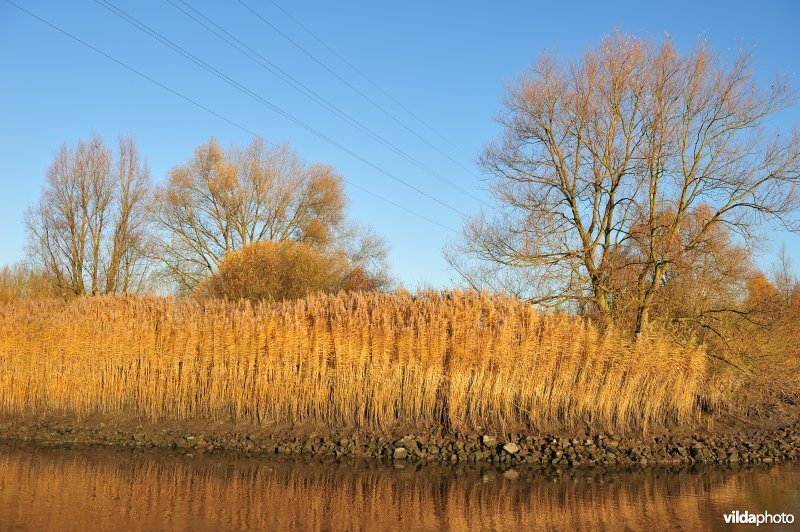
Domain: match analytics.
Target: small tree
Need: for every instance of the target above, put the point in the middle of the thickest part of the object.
(222, 201)
(279, 270)
(89, 231)
(630, 142)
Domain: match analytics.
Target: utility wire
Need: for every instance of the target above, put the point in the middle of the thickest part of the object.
(209, 110)
(368, 79)
(287, 78)
(255, 96)
(353, 88)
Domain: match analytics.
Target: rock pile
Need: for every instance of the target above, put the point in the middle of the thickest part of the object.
(506, 450)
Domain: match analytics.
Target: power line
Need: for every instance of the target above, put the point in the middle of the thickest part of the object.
(287, 78)
(209, 110)
(230, 81)
(368, 79)
(352, 87)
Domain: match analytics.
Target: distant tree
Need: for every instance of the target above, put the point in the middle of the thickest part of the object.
(19, 281)
(775, 342)
(786, 282)
(279, 270)
(89, 231)
(367, 254)
(761, 293)
(221, 201)
(631, 142)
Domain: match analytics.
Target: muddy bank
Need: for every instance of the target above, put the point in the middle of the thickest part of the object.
(587, 450)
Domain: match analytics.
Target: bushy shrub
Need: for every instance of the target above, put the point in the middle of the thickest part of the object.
(282, 270)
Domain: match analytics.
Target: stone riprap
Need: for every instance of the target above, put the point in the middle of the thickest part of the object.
(515, 449)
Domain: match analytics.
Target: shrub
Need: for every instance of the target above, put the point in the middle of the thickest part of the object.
(282, 270)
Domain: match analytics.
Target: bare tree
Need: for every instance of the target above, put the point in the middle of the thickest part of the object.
(89, 231)
(783, 276)
(221, 201)
(366, 253)
(628, 143)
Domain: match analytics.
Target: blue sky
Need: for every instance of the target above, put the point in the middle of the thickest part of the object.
(448, 62)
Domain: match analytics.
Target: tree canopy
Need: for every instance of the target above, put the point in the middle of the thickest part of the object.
(222, 200)
(636, 158)
(89, 231)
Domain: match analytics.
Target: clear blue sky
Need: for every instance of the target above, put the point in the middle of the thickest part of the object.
(446, 61)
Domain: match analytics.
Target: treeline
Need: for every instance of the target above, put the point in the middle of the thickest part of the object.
(102, 227)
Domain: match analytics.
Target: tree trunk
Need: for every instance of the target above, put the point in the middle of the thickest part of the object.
(603, 306)
(646, 301)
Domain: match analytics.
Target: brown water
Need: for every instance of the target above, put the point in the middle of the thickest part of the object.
(98, 489)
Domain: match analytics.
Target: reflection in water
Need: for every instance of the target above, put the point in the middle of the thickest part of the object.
(44, 489)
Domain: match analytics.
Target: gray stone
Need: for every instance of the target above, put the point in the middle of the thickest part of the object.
(400, 453)
(489, 441)
(698, 455)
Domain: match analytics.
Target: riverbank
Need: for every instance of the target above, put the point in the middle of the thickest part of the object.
(432, 377)
(548, 450)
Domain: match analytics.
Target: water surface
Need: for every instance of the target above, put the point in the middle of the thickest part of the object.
(101, 489)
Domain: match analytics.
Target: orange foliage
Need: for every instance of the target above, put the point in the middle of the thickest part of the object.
(282, 270)
(760, 291)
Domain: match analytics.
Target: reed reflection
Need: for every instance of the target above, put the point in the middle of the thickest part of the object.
(111, 490)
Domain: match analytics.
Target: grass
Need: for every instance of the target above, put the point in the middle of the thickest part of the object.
(365, 360)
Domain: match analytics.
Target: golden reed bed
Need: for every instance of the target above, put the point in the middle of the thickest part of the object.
(365, 360)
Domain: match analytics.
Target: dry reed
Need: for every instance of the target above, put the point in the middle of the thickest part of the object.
(365, 360)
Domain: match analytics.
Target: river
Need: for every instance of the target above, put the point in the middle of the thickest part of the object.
(105, 489)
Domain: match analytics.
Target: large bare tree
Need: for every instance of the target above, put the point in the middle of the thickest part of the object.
(222, 200)
(89, 231)
(633, 141)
